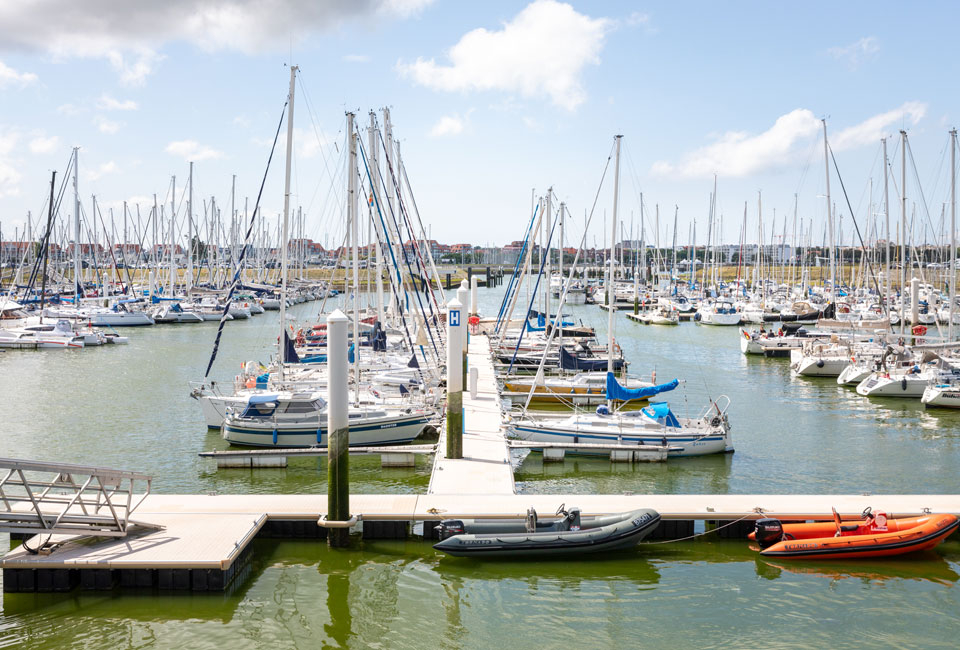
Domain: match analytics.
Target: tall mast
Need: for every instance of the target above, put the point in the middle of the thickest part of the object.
(352, 216)
(190, 233)
(903, 225)
(885, 300)
(546, 269)
(953, 229)
(374, 163)
(173, 221)
(76, 228)
(613, 239)
(826, 162)
(286, 225)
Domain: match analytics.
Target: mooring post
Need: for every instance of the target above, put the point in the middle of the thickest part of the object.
(463, 297)
(454, 379)
(338, 429)
(447, 284)
(474, 307)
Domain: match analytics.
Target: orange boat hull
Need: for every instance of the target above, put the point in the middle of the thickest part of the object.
(899, 536)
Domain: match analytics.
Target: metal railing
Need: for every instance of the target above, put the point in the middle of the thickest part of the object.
(66, 499)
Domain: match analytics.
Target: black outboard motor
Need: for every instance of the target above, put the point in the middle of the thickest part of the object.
(448, 528)
(768, 532)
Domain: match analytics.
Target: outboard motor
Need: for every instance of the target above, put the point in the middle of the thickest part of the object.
(768, 532)
(448, 528)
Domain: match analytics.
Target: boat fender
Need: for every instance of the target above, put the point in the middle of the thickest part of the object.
(820, 363)
(603, 410)
(903, 383)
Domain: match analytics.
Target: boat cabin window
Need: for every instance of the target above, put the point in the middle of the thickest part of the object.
(265, 410)
(310, 406)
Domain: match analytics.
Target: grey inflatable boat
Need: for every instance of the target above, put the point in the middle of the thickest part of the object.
(568, 534)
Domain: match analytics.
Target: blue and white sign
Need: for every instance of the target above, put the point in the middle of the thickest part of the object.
(454, 318)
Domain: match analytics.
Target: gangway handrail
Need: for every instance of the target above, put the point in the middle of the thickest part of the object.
(71, 499)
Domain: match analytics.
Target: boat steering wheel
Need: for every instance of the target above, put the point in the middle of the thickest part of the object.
(867, 513)
(836, 520)
(561, 510)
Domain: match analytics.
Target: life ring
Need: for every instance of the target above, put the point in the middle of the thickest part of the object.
(919, 330)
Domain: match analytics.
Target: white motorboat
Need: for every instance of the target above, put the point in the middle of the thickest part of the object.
(719, 312)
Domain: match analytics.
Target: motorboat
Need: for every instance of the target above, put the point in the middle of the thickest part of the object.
(569, 533)
(874, 535)
(719, 312)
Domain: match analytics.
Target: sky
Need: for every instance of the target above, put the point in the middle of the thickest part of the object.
(490, 102)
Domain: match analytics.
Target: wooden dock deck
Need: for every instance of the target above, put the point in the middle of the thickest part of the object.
(485, 467)
(206, 538)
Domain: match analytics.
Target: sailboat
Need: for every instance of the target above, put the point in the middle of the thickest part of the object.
(298, 417)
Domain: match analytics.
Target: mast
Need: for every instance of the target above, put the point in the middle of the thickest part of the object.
(173, 220)
(76, 229)
(903, 224)
(352, 214)
(286, 226)
(953, 229)
(546, 269)
(190, 234)
(374, 164)
(826, 161)
(613, 239)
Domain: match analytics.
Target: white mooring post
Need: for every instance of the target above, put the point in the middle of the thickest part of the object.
(338, 430)
(454, 379)
(474, 306)
(463, 297)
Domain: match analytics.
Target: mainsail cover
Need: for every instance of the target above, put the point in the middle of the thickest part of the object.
(572, 362)
(617, 392)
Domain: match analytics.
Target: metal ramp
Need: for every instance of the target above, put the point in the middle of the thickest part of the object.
(50, 499)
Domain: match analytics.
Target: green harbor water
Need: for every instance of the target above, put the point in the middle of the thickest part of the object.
(129, 407)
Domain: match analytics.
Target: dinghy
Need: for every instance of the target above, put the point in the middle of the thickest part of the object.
(873, 536)
(569, 534)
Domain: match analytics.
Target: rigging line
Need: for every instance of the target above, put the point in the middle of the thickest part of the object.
(320, 136)
(514, 281)
(410, 231)
(923, 198)
(403, 319)
(243, 251)
(533, 298)
(45, 249)
(418, 255)
(853, 217)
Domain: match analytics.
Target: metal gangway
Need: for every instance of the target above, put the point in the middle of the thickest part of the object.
(50, 499)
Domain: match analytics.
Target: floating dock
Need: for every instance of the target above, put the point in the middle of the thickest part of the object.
(205, 539)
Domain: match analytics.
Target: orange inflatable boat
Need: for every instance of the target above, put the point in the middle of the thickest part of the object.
(873, 536)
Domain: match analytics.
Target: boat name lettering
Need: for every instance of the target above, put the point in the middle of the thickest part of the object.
(801, 546)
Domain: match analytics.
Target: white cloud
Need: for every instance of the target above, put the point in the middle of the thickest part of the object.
(107, 126)
(10, 77)
(101, 170)
(242, 120)
(43, 144)
(356, 58)
(737, 153)
(872, 129)
(638, 18)
(108, 103)
(541, 51)
(192, 150)
(856, 53)
(447, 125)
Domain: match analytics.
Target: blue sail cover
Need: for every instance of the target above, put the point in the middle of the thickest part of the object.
(617, 392)
(572, 362)
(289, 350)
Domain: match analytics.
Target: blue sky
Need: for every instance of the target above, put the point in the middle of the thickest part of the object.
(483, 117)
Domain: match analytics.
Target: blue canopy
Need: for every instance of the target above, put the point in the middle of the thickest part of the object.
(617, 392)
(572, 362)
(660, 411)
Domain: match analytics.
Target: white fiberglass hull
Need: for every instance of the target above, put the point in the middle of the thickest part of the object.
(120, 319)
(877, 385)
(376, 431)
(947, 396)
(680, 441)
